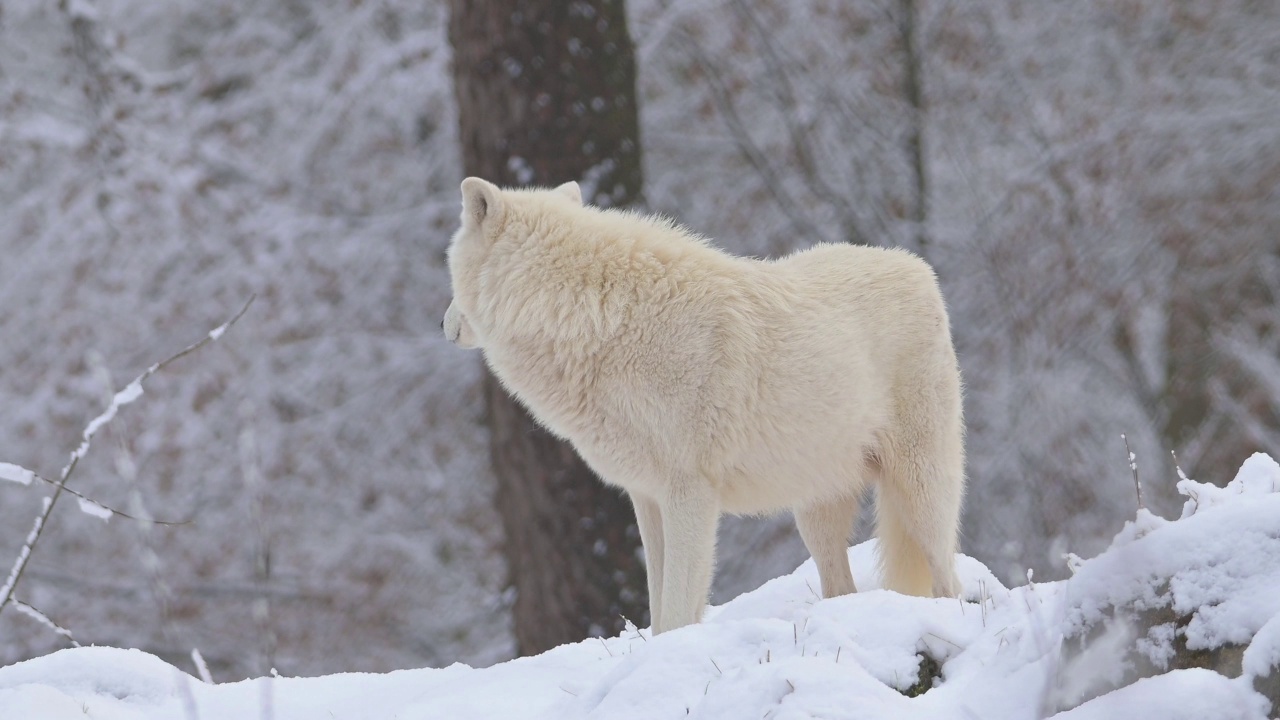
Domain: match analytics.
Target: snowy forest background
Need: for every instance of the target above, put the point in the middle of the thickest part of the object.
(1096, 184)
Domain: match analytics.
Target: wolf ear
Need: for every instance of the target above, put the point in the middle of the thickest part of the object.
(481, 200)
(571, 191)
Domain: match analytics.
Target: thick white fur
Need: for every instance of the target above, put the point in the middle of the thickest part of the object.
(702, 383)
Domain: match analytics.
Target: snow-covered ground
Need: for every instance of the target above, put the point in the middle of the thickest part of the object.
(1101, 195)
(1098, 645)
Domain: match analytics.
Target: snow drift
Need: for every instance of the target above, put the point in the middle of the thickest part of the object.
(1177, 619)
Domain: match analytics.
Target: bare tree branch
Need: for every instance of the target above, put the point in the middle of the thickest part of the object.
(130, 393)
(30, 611)
(913, 89)
(76, 493)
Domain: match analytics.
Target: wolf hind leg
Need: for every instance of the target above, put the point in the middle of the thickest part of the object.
(918, 515)
(825, 528)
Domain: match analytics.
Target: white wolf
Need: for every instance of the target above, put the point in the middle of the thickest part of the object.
(702, 383)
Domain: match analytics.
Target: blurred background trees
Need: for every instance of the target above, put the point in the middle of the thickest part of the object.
(1095, 181)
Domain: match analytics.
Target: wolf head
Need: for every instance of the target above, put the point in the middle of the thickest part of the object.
(486, 212)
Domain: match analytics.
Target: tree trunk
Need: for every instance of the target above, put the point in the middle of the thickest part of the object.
(546, 94)
(913, 91)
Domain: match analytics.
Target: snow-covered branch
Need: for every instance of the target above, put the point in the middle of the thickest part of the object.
(131, 392)
(88, 505)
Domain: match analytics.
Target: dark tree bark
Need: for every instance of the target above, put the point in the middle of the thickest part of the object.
(913, 91)
(546, 94)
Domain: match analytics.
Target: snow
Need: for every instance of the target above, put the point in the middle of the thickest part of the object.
(1052, 649)
(1260, 475)
(1219, 567)
(131, 392)
(1192, 694)
(89, 507)
(1262, 657)
(16, 473)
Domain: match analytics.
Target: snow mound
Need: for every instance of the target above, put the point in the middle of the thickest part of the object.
(1177, 619)
(1259, 476)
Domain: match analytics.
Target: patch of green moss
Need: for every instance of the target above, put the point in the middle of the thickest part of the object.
(929, 669)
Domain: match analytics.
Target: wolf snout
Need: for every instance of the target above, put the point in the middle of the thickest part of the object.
(455, 328)
(450, 326)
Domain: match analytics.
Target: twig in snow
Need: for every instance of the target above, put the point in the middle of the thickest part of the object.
(1181, 475)
(202, 668)
(1191, 493)
(816, 595)
(949, 642)
(628, 625)
(982, 600)
(1001, 645)
(1133, 465)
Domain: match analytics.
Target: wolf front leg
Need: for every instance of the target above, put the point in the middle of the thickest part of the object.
(649, 518)
(690, 512)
